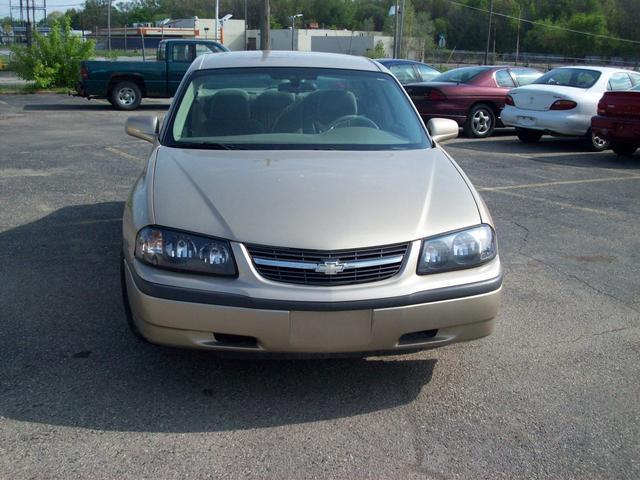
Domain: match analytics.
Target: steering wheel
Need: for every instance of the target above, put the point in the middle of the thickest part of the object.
(353, 121)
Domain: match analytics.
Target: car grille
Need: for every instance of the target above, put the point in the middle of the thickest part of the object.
(328, 267)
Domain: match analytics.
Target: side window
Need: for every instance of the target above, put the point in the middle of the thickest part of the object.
(427, 73)
(404, 73)
(619, 81)
(161, 51)
(525, 76)
(503, 79)
(202, 48)
(635, 78)
(182, 53)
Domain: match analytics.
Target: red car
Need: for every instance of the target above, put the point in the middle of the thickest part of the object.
(618, 120)
(472, 96)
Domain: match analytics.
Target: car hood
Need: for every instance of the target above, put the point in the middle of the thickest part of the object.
(311, 199)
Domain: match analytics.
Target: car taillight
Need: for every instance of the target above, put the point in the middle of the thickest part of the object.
(602, 107)
(84, 72)
(509, 101)
(434, 94)
(563, 105)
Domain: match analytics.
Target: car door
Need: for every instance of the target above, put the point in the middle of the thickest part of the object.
(180, 57)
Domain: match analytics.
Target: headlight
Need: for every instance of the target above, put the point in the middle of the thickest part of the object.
(175, 250)
(454, 251)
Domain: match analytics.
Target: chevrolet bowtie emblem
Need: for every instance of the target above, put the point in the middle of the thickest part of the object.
(330, 267)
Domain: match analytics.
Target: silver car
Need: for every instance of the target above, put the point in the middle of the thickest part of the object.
(295, 202)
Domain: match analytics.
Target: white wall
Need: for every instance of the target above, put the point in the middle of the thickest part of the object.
(233, 30)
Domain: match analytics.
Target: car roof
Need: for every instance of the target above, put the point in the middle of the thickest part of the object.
(399, 61)
(598, 69)
(187, 40)
(282, 58)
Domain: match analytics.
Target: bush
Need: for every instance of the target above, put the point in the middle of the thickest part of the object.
(52, 60)
(377, 52)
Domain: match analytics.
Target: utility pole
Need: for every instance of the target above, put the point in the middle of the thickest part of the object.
(518, 35)
(246, 24)
(266, 27)
(108, 24)
(293, 30)
(486, 51)
(217, 25)
(401, 35)
(396, 11)
(28, 26)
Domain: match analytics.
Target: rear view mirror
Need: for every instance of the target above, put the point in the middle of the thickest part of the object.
(143, 127)
(442, 129)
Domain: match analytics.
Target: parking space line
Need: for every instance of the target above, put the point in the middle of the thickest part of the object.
(128, 156)
(559, 182)
(558, 204)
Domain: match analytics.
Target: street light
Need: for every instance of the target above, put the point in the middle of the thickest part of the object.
(293, 28)
(206, 33)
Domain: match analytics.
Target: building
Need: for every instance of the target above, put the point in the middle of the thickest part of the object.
(139, 36)
(322, 40)
(231, 31)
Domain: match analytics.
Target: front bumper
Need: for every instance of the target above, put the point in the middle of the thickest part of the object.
(556, 122)
(185, 318)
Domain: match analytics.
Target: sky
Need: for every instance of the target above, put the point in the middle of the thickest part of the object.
(52, 5)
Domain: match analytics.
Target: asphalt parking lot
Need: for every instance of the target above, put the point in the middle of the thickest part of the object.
(553, 393)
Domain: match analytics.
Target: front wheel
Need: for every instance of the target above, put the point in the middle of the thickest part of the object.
(480, 122)
(596, 143)
(527, 135)
(126, 96)
(624, 149)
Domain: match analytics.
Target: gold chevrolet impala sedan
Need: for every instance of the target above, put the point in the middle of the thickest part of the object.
(296, 202)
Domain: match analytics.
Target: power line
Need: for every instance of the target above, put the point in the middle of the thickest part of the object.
(555, 27)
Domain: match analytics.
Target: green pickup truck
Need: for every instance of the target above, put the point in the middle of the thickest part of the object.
(125, 84)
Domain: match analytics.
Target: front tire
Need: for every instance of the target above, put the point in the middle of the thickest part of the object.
(126, 96)
(624, 149)
(596, 143)
(526, 135)
(481, 122)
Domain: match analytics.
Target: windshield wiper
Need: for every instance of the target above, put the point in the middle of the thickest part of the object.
(211, 146)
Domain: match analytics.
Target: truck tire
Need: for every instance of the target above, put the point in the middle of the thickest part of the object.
(624, 149)
(480, 122)
(126, 96)
(527, 135)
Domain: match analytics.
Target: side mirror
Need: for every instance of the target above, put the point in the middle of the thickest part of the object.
(145, 128)
(442, 129)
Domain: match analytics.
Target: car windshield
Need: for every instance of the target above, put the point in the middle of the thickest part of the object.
(294, 108)
(460, 75)
(570, 77)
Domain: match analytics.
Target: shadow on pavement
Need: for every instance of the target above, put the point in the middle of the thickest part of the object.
(88, 106)
(68, 358)
(560, 151)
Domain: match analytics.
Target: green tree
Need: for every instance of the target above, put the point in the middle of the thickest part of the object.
(52, 60)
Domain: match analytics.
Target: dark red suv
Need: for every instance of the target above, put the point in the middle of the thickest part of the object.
(472, 96)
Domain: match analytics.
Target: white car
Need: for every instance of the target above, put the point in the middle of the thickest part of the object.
(562, 102)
